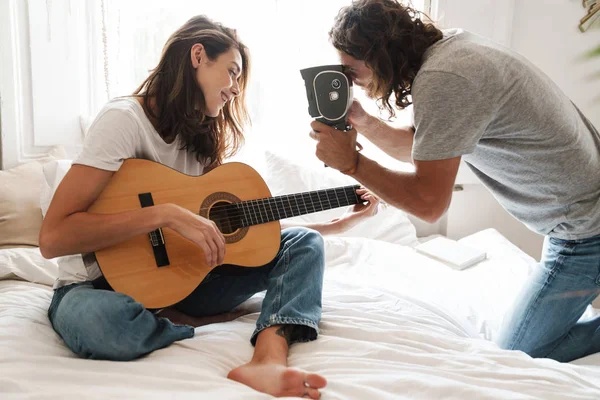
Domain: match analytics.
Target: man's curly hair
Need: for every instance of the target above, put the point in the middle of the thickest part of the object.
(391, 39)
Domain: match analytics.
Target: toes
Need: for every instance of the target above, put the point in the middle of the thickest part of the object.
(315, 381)
(311, 393)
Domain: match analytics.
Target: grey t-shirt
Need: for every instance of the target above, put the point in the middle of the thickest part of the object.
(517, 131)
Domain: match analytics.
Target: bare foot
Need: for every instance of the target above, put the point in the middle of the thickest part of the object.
(278, 380)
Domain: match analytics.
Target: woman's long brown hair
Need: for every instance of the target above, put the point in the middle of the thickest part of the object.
(178, 102)
(391, 39)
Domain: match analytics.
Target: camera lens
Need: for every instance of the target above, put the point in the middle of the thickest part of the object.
(336, 84)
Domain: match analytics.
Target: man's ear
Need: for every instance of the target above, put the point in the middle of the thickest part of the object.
(197, 54)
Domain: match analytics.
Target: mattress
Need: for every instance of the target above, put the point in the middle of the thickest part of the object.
(395, 325)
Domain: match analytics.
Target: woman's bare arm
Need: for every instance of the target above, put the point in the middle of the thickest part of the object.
(69, 229)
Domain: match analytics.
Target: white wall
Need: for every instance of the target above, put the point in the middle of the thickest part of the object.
(474, 209)
(490, 18)
(548, 36)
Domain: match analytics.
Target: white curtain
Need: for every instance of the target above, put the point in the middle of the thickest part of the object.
(283, 36)
(72, 56)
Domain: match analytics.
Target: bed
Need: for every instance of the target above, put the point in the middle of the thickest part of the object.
(396, 324)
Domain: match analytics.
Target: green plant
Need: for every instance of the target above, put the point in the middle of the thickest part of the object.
(594, 53)
(592, 21)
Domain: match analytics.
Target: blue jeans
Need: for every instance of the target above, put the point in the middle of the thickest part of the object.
(103, 324)
(544, 319)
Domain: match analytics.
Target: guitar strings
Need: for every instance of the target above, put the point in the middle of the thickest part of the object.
(317, 192)
(252, 213)
(317, 197)
(323, 199)
(265, 216)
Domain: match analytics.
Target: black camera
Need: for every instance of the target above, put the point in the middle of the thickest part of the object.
(329, 94)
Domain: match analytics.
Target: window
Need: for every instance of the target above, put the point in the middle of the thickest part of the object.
(81, 54)
(283, 36)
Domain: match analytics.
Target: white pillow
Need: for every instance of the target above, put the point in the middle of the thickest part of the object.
(20, 216)
(284, 176)
(27, 264)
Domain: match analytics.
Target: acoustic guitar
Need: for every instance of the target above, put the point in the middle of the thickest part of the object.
(161, 268)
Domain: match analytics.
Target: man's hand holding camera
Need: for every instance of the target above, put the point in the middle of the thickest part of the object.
(358, 117)
(335, 148)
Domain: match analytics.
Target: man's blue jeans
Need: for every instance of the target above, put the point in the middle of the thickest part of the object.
(103, 324)
(544, 319)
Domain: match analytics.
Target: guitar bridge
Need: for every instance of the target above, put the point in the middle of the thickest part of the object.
(157, 239)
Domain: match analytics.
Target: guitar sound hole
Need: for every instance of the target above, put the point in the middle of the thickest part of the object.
(226, 216)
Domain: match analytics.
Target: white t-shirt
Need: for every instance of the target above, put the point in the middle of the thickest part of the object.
(120, 131)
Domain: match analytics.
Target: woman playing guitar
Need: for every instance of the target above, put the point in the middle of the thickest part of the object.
(188, 115)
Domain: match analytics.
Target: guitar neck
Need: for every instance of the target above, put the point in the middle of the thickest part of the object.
(270, 209)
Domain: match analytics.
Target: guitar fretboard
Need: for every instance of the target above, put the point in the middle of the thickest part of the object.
(260, 211)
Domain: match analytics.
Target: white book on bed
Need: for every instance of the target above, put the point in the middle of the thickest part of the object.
(451, 252)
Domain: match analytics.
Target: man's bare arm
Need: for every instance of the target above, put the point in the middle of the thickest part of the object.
(395, 142)
(425, 193)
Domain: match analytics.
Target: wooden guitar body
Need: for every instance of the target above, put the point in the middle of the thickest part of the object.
(130, 267)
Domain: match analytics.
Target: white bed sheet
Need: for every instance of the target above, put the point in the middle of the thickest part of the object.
(380, 339)
(480, 294)
(373, 345)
